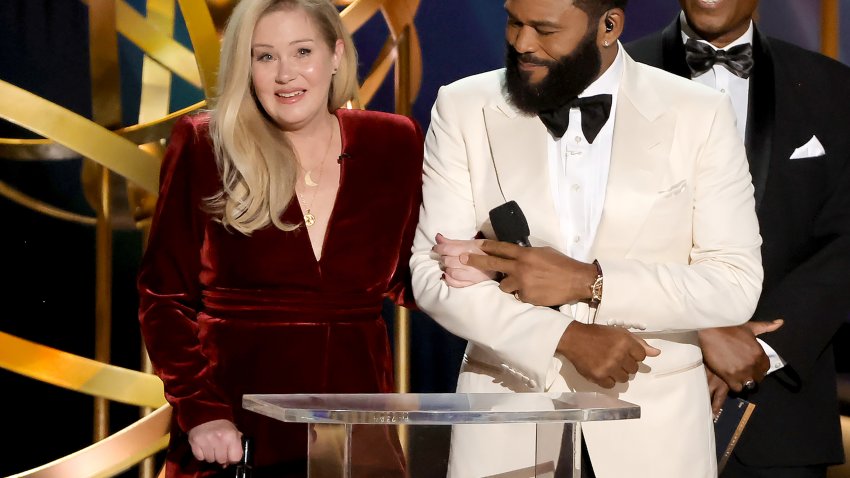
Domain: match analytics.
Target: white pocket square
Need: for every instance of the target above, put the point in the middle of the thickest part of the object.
(812, 149)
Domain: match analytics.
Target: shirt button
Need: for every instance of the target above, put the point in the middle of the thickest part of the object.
(723, 90)
(577, 239)
(578, 139)
(576, 187)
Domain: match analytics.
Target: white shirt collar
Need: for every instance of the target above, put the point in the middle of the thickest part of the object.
(609, 81)
(688, 32)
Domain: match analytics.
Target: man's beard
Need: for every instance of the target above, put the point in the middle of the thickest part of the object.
(566, 78)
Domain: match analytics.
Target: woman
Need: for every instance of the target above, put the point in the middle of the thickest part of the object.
(282, 223)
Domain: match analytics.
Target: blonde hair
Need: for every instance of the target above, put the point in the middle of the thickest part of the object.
(258, 165)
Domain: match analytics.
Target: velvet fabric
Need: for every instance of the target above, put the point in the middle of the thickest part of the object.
(224, 314)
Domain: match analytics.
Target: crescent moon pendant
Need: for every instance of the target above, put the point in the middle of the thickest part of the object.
(309, 180)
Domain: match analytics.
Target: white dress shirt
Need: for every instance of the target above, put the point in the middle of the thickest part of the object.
(578, 170)
(738, 90)
(723, 80)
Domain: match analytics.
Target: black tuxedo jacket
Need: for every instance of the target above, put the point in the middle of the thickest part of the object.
(803, 207)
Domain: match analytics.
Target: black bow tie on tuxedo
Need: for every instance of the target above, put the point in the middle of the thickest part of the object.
(594, 114)
(701, 57)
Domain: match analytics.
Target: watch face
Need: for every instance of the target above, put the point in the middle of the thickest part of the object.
(596, 289)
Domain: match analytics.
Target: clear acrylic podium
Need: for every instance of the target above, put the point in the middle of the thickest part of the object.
(342, 428)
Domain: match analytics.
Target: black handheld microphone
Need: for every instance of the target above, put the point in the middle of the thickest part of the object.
(244, 469)
(509, 224)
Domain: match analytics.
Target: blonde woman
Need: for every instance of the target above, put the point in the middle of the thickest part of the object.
(283, 222)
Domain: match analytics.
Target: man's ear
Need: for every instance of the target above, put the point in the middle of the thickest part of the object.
(610, 27)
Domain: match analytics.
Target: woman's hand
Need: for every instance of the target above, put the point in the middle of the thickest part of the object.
(218, 441)
(457, 274)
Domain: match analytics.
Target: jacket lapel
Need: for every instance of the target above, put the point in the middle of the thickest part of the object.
(642, 142)
(674, 50)
(760, 115)
(518, 145)
(761, 107)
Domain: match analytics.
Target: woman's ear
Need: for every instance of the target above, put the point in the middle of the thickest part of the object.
(339, 51)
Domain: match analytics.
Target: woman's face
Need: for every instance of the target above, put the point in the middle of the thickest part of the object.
(292, 68)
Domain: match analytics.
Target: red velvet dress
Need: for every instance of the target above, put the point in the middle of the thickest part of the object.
(224, 314)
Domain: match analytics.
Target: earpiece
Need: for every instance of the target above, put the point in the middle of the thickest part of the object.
(609, 25)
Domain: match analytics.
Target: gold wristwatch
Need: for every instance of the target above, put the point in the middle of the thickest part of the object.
(596, 287)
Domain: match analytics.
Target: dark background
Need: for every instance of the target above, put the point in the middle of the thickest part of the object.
(47, 265)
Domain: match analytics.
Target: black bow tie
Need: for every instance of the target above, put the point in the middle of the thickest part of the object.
(701, 57)
(594, 114)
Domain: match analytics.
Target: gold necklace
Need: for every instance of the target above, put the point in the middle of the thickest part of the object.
(309, 218)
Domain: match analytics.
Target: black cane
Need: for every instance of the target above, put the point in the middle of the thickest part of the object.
(244, 469)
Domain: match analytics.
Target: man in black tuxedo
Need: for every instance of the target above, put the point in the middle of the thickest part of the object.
(793, 110)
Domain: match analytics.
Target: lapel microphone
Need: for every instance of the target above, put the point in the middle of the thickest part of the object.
(509, 224)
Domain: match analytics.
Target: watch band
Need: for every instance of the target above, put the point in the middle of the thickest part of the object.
(596, 287)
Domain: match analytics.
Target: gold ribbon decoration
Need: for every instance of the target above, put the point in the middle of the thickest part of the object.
(399, 15)
(79, 374)
(204, 40)
(80, 134)
(113, 454)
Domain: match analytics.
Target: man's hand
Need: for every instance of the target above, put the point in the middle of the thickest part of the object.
(602, 354)
(216, 441)
(717, 391)
(734, 354)
(457, 274)
(539, 275)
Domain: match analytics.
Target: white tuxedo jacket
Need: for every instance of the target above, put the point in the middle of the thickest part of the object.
(678, 243)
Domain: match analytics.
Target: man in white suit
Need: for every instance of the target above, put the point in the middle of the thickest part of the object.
(641, 212)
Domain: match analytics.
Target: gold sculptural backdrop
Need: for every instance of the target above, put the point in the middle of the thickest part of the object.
(120, 180)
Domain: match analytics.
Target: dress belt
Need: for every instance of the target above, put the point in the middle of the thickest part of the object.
(230, 301)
